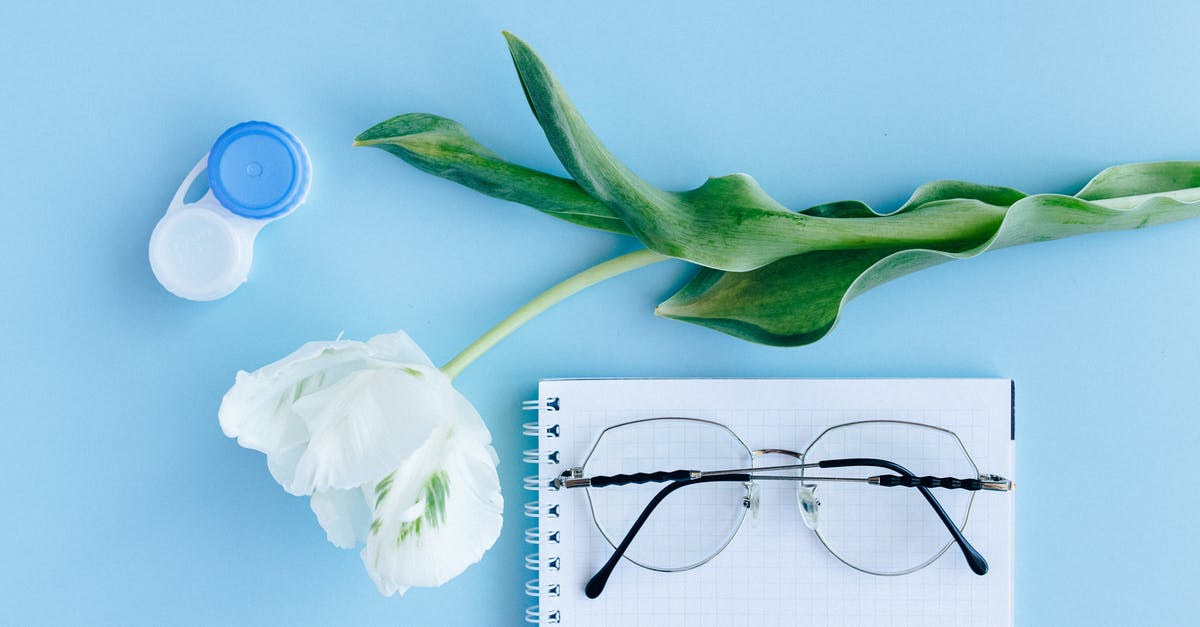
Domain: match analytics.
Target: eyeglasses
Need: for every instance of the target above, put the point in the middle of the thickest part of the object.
(882, 524)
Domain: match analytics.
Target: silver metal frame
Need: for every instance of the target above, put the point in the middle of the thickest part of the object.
(949, 542)
(802, 466)
(611, 542)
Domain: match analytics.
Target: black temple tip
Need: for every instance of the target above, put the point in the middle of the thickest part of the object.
(978, 565)
(596, 584)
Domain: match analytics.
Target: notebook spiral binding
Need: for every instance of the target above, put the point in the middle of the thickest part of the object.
(544, 536)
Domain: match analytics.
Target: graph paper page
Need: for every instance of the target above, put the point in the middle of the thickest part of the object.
(776, 571)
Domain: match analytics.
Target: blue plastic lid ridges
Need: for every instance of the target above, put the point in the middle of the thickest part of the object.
(259, 170)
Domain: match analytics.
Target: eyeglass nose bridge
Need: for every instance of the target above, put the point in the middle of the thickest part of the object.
(776, 451)
(752, 499)
(806, 497)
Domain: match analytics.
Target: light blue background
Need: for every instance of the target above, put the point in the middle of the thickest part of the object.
(123, 504)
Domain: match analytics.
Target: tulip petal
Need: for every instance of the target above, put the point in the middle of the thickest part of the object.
(250, 410)
(365, 425)
(453, 478)
(279, 409)
(398, 347)
(344, 514)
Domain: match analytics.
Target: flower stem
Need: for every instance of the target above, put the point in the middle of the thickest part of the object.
(547, 299)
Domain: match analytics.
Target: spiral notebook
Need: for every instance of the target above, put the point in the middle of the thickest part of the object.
(775, 571)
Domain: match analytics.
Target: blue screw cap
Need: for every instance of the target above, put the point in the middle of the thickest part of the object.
(259, 170)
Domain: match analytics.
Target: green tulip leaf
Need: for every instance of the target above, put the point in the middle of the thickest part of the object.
(798, 300)
(729, 223)
(768, 274)
(1141, 179)
(444, 148)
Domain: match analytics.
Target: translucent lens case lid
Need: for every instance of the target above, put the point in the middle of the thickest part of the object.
(257, 172)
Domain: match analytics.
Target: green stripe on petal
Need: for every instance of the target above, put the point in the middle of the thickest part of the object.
(433, 498)
(383, 487)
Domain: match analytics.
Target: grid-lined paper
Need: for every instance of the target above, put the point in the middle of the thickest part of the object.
(776, 571)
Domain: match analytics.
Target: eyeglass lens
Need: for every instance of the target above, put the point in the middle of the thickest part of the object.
(881, 530)
(693, 524)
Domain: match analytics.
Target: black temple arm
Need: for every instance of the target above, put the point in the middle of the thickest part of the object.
(641, 477)
(596, 584)
(978, 565)
(950, 483)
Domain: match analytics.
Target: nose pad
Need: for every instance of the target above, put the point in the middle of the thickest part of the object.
(810, 505)
(751, 499)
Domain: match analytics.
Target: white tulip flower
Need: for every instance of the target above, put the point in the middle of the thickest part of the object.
(391, 454)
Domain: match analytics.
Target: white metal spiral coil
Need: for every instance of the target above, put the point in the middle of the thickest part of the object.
(535, 535)
(541, 510)
(536, 430)
(536, 562)
(535, 483)
(534, 456)
(547, 404)
(533, 614)
(535, 588)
